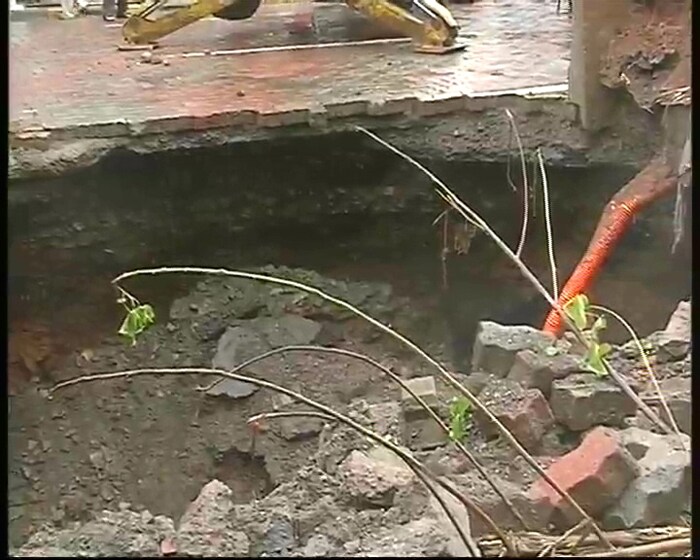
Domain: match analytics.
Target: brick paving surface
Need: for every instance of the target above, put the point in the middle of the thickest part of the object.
(67, 78)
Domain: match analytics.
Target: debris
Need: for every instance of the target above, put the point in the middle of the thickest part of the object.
(455, 546)
(595, 474)
(250, 338)
(424, 537)
(316, 547)
(424, 433)
(279, 538)
(111, 534)
(533, 369)
(495, 346)
(425, 388)
(524, 412)
(662, 491)
(372, 479)
(385, 418)
(298, 428)
(475, 381)
(207, 526)
(582, 400)
(674, 341)
(677, 392)
(536, 512)
(168, 547)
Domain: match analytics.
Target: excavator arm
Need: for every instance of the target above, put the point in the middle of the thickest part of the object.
(429, 23)
(140, 30)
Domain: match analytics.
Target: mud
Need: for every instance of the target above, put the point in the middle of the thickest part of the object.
(651, 55)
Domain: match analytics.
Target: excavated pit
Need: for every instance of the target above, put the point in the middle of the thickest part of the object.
(341, 206)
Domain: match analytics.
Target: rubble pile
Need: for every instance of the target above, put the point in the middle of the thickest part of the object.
(354, 498)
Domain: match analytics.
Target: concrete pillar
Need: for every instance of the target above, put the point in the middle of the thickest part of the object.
(595, 22)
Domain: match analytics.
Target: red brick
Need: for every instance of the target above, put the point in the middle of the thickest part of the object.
(524, 412)
(595, 474)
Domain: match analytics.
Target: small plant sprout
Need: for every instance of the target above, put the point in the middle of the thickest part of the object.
(139, 317)
(460, 418)
(579, 310)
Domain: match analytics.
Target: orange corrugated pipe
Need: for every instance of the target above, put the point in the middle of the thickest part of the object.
(654, 181)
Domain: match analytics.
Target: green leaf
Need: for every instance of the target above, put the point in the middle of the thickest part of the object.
(460, 418)
(577, 309)
(594, 359)
(137, 320)
(598, 325)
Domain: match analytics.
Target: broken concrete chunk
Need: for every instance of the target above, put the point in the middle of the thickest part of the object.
(205, 528)
(582, 400)
(279, 539)
(423, 433)
(248, 339)
(536, 512)
(425, 388)
(235, 346)
(475, 381)
(538, 369)
(676, 391)
(455, 547)
(524, 412)
(298, 428)
(385, 418)
(674, 340)
(495, 346)
(595, 474)
(120, 534)
(662, 491)
(372, 479)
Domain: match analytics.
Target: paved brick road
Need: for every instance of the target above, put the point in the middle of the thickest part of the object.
(67, 77)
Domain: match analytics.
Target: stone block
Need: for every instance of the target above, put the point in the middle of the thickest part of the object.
(581, 401)
(537, 370)
(425, 388)
(496, 346)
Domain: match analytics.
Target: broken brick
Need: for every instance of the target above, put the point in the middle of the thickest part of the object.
(595, 474)
(524, 412)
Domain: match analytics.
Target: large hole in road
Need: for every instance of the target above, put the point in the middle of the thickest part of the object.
(341, 206)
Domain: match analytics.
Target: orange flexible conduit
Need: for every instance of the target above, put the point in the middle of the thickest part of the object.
(654, 181)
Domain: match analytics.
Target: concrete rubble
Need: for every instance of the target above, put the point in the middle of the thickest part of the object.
(525, 412)
(662, 491)
(353, 498)
(581, 401)
(496, 346)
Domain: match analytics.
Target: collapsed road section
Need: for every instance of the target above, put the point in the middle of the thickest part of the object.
(78, 97)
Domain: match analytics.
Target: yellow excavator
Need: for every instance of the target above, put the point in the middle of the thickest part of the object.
(429, 23)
